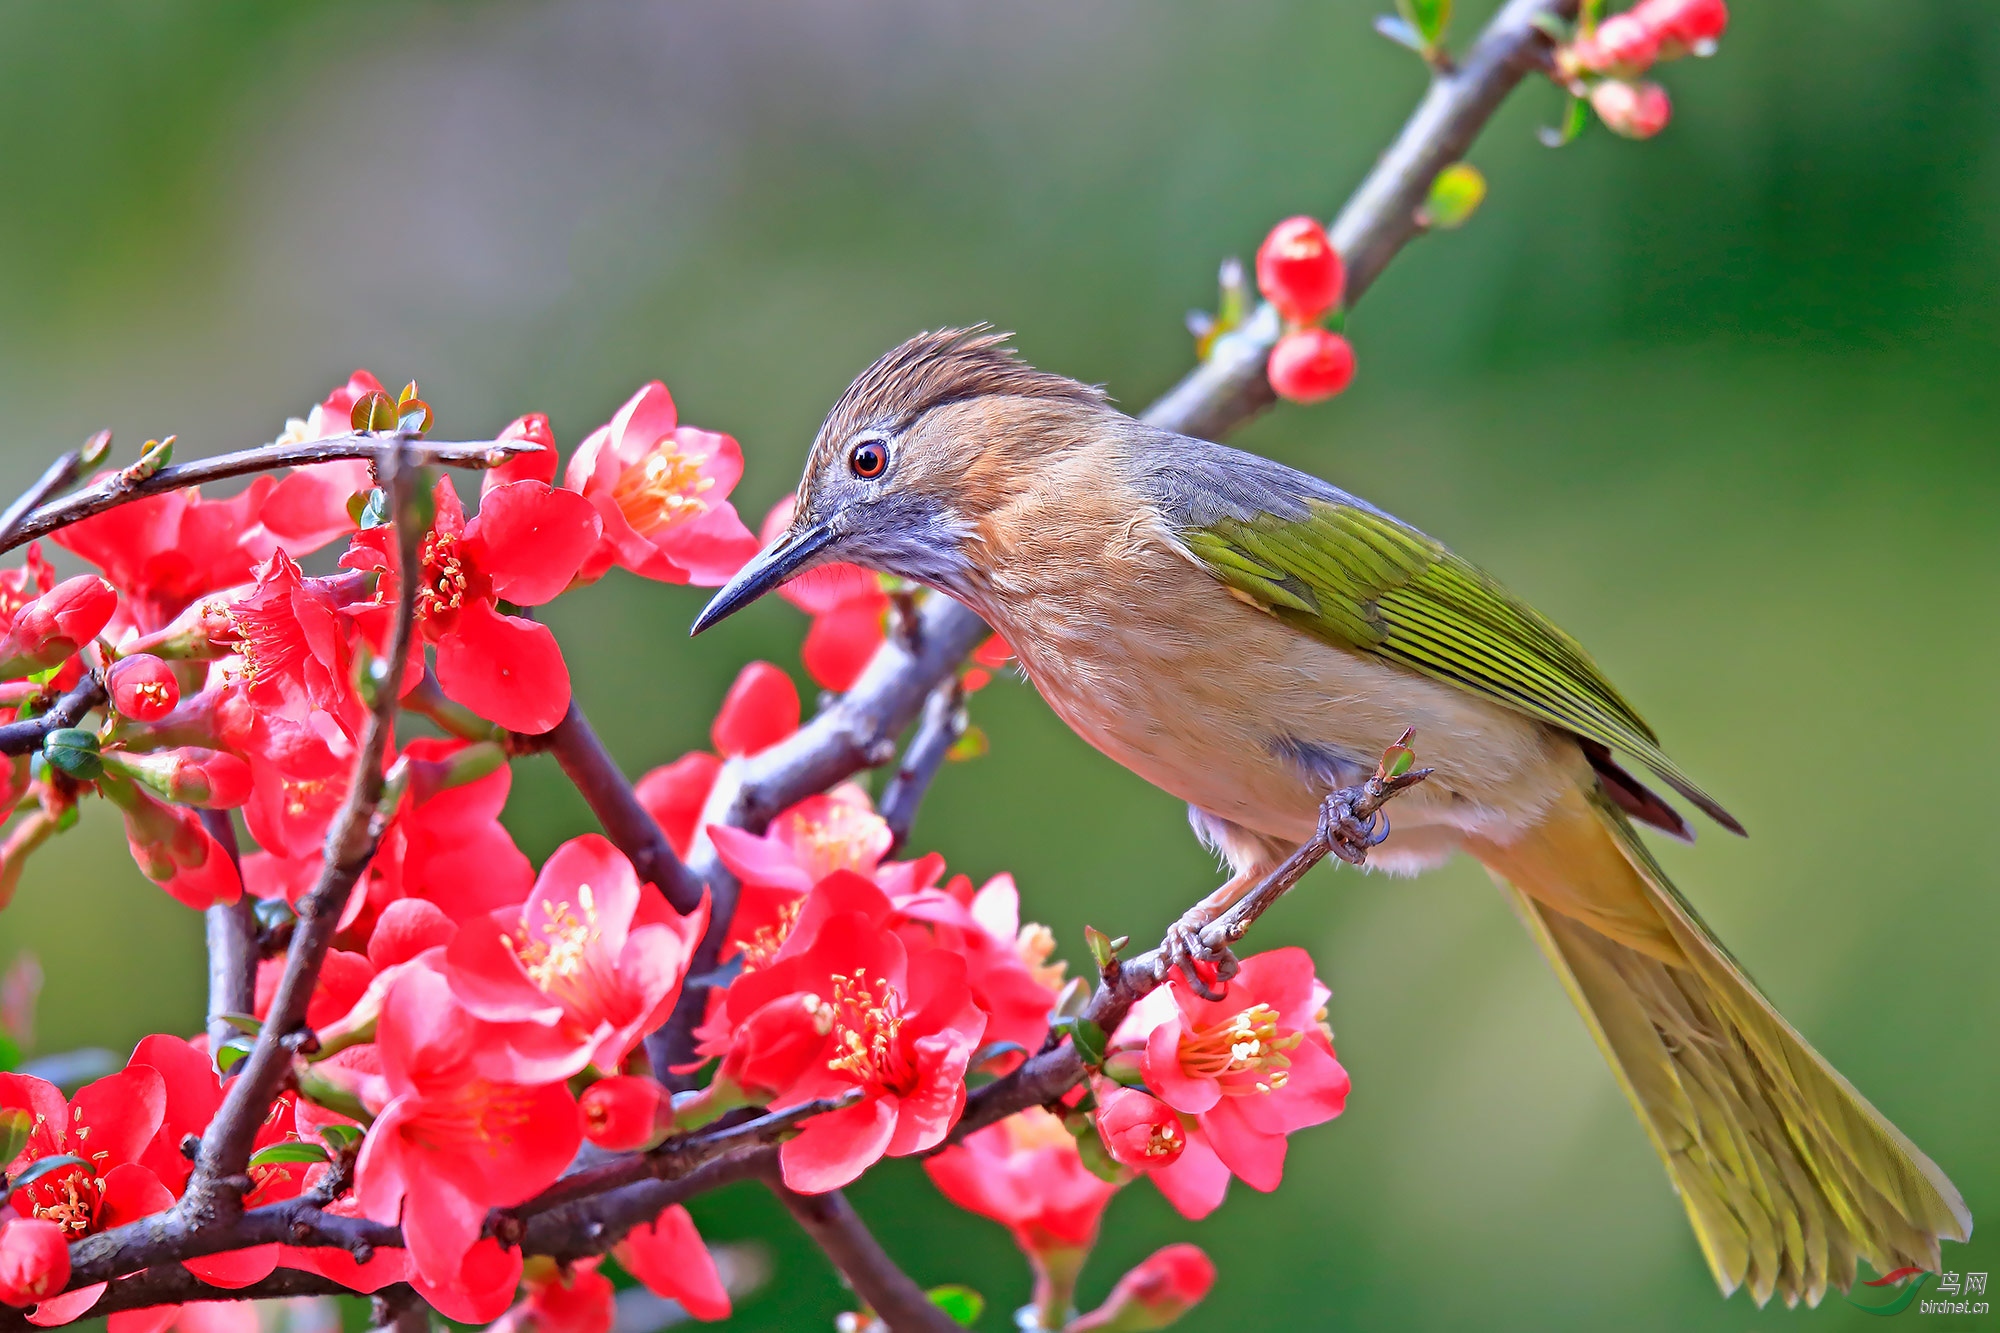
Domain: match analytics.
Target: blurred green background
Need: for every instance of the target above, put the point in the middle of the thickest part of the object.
(1723, 404)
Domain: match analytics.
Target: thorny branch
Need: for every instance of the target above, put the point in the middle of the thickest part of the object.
(587, 1212)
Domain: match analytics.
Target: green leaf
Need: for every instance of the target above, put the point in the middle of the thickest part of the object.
(340, 1137)
(971, 745)
(961, 1303)
(1575, 117)
(279, 1153)
(373, 511)
(273, 912)
(248, 1024)
(1429, 17)
(1455, 196)
(15, 1125)
(1101, 951)
(74, 751)
(42, 1166)
(1400, 32)
(230, 1052)
(1087, 1036)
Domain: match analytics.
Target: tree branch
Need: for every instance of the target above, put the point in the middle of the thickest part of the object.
(58, 477)
(232, 943)
(632, 830)
(124, 487)
(171, 1284)
(890, 1292)
(943, 723)
(26, 736)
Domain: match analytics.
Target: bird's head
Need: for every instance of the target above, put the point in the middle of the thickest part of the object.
(930, 439)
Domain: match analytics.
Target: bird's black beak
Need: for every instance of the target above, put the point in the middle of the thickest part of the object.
(771, 566)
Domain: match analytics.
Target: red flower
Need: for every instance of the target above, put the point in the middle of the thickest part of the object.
(525, 546)
(1138, 1129)
(897, 1024)
(1634, 110)
(848, 608)
(20, 586)
(1164, 1286)
(578, 973)
(761, 709)
(1684, 25)
(808, 842)
(309, 506)
(1623, 44)
(143, 687)
(298, 662)
(667, 1256)
(1250, 1069)
(1007, 966)
(109, 1124)
(1299, 271)
(51, 628)
(450, 1145)
(1025, 1174)
(625, 1112)
(1310, 364)
(173, 849)
(675, 793)
(166, 550)
(659, 487)
(577, 1300)
(34, 1260)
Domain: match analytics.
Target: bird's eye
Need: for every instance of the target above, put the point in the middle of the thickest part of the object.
(868, 459)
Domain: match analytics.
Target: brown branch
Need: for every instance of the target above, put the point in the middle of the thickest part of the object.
(58, 477)
(632, 830)
(232, 943)
(26, 736)
(171, 1284)
(214, 1192)
(943, 723)
(124, 487)
(890, 1292)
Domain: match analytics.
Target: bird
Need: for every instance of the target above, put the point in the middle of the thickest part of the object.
(1245, 637)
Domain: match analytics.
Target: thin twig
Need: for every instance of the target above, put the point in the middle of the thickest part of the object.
(632, 830)
(214, 1191)
(120, 488)
(232, 943)
(891, 1293)
(58, 477)
(943, 723)
(26, 736)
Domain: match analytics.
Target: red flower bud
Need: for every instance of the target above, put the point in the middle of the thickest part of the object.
(1623, 45)
(172, 848)
(761, 709)
(1684, 26)
(622, 1113)
(1165, 1286)
(56, 624)
(1139, 1130)
(143, 687)
(1299, 271)
(1310, 364)
(1635, 110)
(34, 1261)
(190, 775)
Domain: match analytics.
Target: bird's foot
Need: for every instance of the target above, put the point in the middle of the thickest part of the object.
(1207, 967)
(1345, 833)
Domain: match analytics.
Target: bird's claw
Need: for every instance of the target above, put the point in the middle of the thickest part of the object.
(1346, 834)
(1184, 948)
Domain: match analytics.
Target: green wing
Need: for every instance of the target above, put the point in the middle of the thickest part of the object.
(1359, 579)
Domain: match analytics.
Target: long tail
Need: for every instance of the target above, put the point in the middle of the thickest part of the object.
(1787, 1172)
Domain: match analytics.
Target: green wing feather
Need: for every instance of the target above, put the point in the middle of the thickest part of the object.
(1361, 580)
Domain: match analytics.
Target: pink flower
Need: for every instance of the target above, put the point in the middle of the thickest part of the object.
(660, 488)
(624, 1112)
(1155, 1294)
(667, 1256)
(165, 550)
(143, 687)
(525, 545)
(451, 1144)
(1138, 1129)
(577, 974)
(51, 628)
(847, 605)
(1249, 1069)
(34, 1261)
(1025, 1174)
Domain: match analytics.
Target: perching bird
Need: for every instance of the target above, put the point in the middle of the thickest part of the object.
(1248, 638)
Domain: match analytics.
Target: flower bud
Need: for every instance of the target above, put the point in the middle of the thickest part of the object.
(190, 775)
(202, 632)
(1684, 26)
(143, 687)
(1164, 1287)
(56, 624)
(1299, 271)
(1310, 364)
(34, 1261)
(624, 1113)
(1139, 1130)
(1623, 45)
(172, 848)
(1635, 110)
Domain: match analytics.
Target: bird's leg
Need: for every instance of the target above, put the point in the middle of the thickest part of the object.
(1347, 833)
(1184, 947)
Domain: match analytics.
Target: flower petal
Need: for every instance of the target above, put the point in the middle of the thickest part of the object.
(529, 539)
(507, 670)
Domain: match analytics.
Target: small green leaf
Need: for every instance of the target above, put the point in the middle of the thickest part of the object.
(231, 1052)
(1429, 17)
(74, 751)
(1101, 951)
(272, 913)
(280, 1153)
(1575, 116)
(15, 1124)
(961, 1303)
(248, 1024)
(340, 1137)
(971, 745)
(415, 417)
(373, 511)
(1455, 196)
(43, 1166)
(1088, 1038)
(374, 410)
